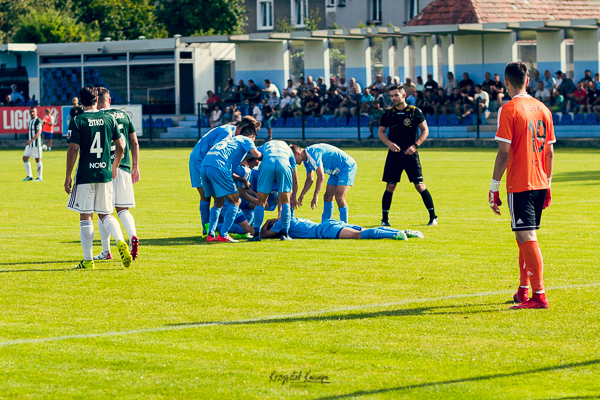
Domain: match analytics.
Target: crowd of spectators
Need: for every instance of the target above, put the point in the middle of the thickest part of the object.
(16, 98)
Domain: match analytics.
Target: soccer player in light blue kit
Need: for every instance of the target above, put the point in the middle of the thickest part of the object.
(216, 173)
(278, 165)
(301, 228)
(249, 172)
(326, 159)
(203, 146)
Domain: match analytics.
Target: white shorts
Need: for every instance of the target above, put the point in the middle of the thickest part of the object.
(123, 190)
(32, 151)
(88, 198)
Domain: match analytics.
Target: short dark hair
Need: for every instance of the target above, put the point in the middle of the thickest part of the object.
(248, 131)
(395, 87)
(478, 87)
(516, 73)
(88, 96)
(33, 108)
(250, 81)
(103, 92)
(268, 81)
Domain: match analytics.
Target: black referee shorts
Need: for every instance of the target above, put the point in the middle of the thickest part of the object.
(526, 209)
(395, 163)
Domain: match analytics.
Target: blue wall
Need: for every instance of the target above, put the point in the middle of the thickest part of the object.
(581, 66)
(317, 72)
(476, 71)
(358, 74)
(552, 66)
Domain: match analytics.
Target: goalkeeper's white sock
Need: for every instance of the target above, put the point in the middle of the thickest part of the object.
(104, 237)
(128, 223)
(28, 168)
(112, 226)
(40, 170)
(86, 234)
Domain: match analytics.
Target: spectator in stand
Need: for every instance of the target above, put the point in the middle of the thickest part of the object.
(533, 81)
(353, 101)
(431, 84)
(256, 113)
(499, 91)
(429, 104)
(216, 116)
(16, 96)
(378, 84)
(465, 83)
(332, 85)
(592, 96)
(408, 86)
(313, 104)
(549, 81)
(451, 83)
(454, 101)
(236, 114)
(229, 92)
(268, 118)
(567, 86)
(295, 104)
(321, 86)
(388, 83)
(285, 108)
(227, 115)
(274, 102)
(211, 101)
(468, 96)
(442, 100)
(290, 85)
(270, 88)
(301, 86)
(310, 84)
(558, 75)
(559, 103)
(488, 83)
(543, 94)
(587, 76)
(343, 86)
(412, 97)
(419, 84)
(331, 104)
(578, 100)
(352, 82)
(480, 102)
(396, 81)
(242, 90)
(597, 79)
(253, 94)
(366, 102)
(376, 114)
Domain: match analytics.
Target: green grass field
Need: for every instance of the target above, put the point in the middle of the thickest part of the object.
(424, 319)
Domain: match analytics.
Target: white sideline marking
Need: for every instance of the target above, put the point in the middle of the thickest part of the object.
(274, 317)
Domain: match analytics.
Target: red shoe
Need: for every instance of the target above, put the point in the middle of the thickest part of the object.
(134, 247)
(226, 239)
(211, 238)
(521, 296)
(536, 301)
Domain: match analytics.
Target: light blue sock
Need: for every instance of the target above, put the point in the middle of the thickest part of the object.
(235, 228)
(376, 233)
(259, 216)
(344, 214)
(230, 215)
(249, 213)
(387, 228)
(286, 218)
(327, 210)
(204, 213)
(214, 220)
(293, 213)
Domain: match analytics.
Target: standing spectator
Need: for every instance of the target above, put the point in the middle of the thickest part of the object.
(48, 127)
(16, 96)
(559, 103)
(229, 91)
(216, 117)
(366, 102)
(343, 86)
(466, 82)
(270, 88)
(352, 82)
(431, 84)
(451, 83)
(543, 94)
(533, 82)
(313, 104)
(254, 92)
(331, 104)
(268, 117)
(75, 110)
(376, 114)
(236, 115)
(578, 98)
(285, 103)
(274, 102)
(587, 76)
(408, 86)
(321, 86)
(211, 101)
(549, 81)
(420, 85)
(256, 113)
(242, 90)
(499, 91)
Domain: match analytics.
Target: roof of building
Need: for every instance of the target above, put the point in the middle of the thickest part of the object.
(449, 12)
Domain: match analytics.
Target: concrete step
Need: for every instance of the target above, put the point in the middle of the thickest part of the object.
(187, 123)
(180, 135)
(191, 118)
(182, 129)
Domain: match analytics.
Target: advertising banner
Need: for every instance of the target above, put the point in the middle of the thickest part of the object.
(16, 119)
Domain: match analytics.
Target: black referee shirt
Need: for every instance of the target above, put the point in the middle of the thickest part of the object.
(403, 125)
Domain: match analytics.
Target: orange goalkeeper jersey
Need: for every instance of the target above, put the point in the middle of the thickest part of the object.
(526, 123)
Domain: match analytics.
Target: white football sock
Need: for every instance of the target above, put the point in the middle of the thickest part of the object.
(27, 168)
(104, 237)
(128, 222)
(86, 234)
(40, 169)
(111, 224)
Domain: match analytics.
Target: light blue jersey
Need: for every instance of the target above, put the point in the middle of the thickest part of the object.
(252, 176)
(207, 141)
(330, 157)
(278, 165)
(227, 155)
(300, 228)
(279, 149)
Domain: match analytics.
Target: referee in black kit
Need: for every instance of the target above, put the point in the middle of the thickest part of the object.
(402, 120)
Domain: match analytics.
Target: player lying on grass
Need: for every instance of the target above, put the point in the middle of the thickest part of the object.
(301, 228)
(216, 173)
(278, 166)
(326, 159)
(203, 146)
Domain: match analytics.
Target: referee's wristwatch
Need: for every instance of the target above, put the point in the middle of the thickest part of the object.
(416, 145)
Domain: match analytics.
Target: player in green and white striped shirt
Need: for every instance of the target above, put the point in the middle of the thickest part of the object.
(34, 147)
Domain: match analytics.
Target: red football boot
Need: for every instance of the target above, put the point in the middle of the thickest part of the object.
(226, 239)
(536, 301)
(211, 238)
(522, 295)
(134, 247)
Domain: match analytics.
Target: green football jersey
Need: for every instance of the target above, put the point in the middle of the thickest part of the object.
(125, 128)
(94, 132)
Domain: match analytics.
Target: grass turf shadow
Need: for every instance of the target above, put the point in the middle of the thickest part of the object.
(577, 176)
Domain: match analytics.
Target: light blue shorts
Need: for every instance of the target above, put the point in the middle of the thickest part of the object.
(195, 173)
(216, 182)
(345, 177)
(331, 229)
(275, 169)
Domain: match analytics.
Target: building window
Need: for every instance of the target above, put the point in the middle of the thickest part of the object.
(265, 14)
(376, 7)
(299, 12)
(413, 8)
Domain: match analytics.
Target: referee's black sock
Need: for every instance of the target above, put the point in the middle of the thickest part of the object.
(428, 201)
(386, 203)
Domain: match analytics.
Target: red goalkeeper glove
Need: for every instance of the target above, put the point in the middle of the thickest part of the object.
(494, 196)
(548, 199)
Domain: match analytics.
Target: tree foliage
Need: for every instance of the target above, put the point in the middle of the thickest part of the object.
(52, 26)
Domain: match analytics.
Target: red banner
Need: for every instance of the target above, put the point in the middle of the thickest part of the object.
(16, 119)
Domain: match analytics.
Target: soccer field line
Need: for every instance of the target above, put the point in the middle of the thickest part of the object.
(273, 317)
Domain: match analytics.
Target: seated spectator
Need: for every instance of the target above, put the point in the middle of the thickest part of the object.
(431, 84)
(559, 103)
(567, 86)
(408, 85)
(389, 82)
(379, 97)
(273, 102)
(331, 104)
(16, 96)
(441, 98)
(587, 76)
(593, 98)
(466, 82)
(8, 101)
(295, 105)
(312, 104)
(558, 76)
(301, 86)
(352, 82)
(468, 97)
(488, 83)
(430, 104)
(227, 115)
(229, 92)
(332, 85)
(290, 85)
(366, 102)
(597, 79)
(378, 84)
(216, 117)
(285, 107)
(242, 90)
(549, 81)
(321, 86)
(542, 94)
(211, 102)
(256, 113)
(236, 114)
(253, 93)
(419, 84)
(270, 88)
(376, 114)
(396, 81)
(481, 102)
(351, 103)
(498, 91)
(268, 118)
(411, 99)
(578, 100)
(343, 86)
(450, 84)
(534, 79)
(310, 84)
(454, 101)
